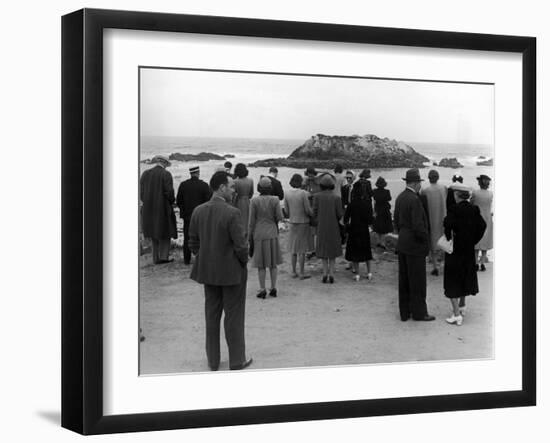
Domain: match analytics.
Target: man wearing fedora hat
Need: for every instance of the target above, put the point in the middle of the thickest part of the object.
(156, 190)
(191, 193)
(412, 246)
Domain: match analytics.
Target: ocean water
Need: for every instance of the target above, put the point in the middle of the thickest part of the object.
(249, 150)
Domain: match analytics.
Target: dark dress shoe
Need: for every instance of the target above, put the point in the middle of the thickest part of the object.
(213, 368)
(405, 317)
(244, 365)
(427, 317)
(261, 294)
(482, 267)
(273, 292)
(325, 278)
(477, 267)
(331, 279)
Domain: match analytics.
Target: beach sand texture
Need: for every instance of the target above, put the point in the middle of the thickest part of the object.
(310, 323)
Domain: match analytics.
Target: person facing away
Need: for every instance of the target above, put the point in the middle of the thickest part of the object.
(263, 232)
(276, 186)
(358, 218)
(450, 193)
(327, 210)
(411, 223)
(382, 214)
(298, 211)
(339, 179)
(244, 190)
(436, 201)
(156, 189)
(465, 226)
(216, 237)
(191, 193)
(483, 198)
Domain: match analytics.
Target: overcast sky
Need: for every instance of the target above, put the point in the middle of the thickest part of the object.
(222, 104)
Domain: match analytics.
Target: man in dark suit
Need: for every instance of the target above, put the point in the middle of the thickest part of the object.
(216, 237)
(156, 191)
(191, 193)
(276, 187)
(411, 222)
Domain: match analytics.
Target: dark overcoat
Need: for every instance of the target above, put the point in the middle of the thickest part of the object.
(276, 187)
(358, 217)
(411, 222)
(216, 236)
(327, 210)
(382, 221)
(157, 195)
(192, 193)
(466, 226)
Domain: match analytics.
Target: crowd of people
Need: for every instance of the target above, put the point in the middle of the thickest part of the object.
(329, 214)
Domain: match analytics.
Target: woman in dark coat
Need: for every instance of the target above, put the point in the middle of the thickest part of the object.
(465, 225)
(382, 219)
(357, 219)
(327, 210)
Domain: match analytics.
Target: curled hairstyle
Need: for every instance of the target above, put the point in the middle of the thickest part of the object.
(296, 181)
(265, 187)
(219, 178)
(241, 170)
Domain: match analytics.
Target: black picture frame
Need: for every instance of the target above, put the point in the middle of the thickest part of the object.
(82, 217)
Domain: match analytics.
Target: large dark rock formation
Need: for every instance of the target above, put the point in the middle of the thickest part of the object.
(450, 163)
(366, 151)
(201, 157)
(488, 162)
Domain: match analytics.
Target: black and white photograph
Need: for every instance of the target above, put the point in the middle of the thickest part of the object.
(291, 220)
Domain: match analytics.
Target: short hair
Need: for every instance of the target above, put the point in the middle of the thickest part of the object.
(296, 181)
(241, 170)
(273, 169)
(228, 165)
(338, 169)
(219, 178)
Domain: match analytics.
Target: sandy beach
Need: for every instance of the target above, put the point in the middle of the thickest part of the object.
(310, 323)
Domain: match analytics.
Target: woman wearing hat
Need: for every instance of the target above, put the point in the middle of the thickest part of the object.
(263, 232)
(327, 210)
(465, 226)
(357, 218)
(244, 189)
(450, 193)
(484, 199)
(382, 215)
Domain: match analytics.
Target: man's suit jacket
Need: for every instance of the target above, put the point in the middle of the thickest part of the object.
(192, 193)
(411, 222)
(216, 235)
(276, 188)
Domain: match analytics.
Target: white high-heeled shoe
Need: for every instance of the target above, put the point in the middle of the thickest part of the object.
(454, 320)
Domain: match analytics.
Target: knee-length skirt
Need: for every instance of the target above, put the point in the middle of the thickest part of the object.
(267, 253)
(300, 239)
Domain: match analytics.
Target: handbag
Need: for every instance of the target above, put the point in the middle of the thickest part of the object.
(445, 245)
